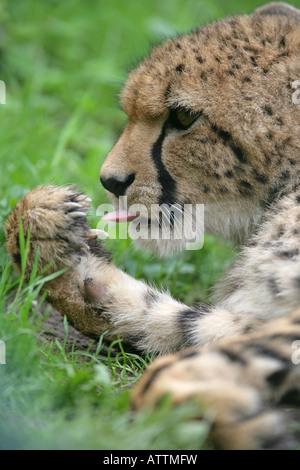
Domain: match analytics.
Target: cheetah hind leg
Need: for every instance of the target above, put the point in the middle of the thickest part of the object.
(246, 382)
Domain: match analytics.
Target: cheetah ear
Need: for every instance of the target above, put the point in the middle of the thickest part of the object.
(279, 8)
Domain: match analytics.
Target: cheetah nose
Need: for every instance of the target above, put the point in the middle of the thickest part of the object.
(117, 184)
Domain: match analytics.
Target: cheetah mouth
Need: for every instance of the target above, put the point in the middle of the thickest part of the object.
(126, 216)
(119, 216)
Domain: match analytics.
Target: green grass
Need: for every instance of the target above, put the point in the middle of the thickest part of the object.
(63, 63)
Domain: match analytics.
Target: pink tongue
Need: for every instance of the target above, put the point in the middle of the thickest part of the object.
(119, 216)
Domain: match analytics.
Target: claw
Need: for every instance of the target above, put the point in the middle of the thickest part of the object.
(93, 232)
(76, 214)
(80, 244)
(71, 205)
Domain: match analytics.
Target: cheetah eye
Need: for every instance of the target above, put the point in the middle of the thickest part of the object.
(183, 118)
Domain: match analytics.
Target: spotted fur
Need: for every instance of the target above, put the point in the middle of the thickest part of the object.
(239, 156)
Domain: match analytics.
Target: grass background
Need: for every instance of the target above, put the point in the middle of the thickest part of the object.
(63, 63)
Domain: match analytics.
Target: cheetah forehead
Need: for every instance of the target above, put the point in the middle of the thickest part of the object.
(191, 70)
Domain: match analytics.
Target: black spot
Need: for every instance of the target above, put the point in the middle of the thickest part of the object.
(272, 442)
(224, 135)
(203, 76)
(238, 152)
(227, 140)
(298, 198)
(285, 175)
(134, 340)
(263, 350)
(277, 378)
(191, 314)
(199, 59)
(282, 42)
(248, 328)
(296, 321)
(288, 253)
(263, 179)
(180, 68)
(281, 231)
(153, 376)
(279, 121)
(188, 355)
(287, 337)
(291, 397)
(168, 90)
(223, 190)
(151, 297)
(228, 174)
(186, 320)
(253, 61)
(245, 188)
(98, 249)
(268, 110)
(272, 283)
(247, 80)
(274, 193)
(232, 356)
(17, 258)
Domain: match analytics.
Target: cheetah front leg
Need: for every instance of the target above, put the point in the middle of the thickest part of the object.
(96, 296)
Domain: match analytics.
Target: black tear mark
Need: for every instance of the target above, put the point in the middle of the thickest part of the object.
(166, 181)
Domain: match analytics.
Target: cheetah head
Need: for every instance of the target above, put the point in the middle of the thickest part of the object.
(211, 121)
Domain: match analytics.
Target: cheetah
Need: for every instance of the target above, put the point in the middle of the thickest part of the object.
(213, 119)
